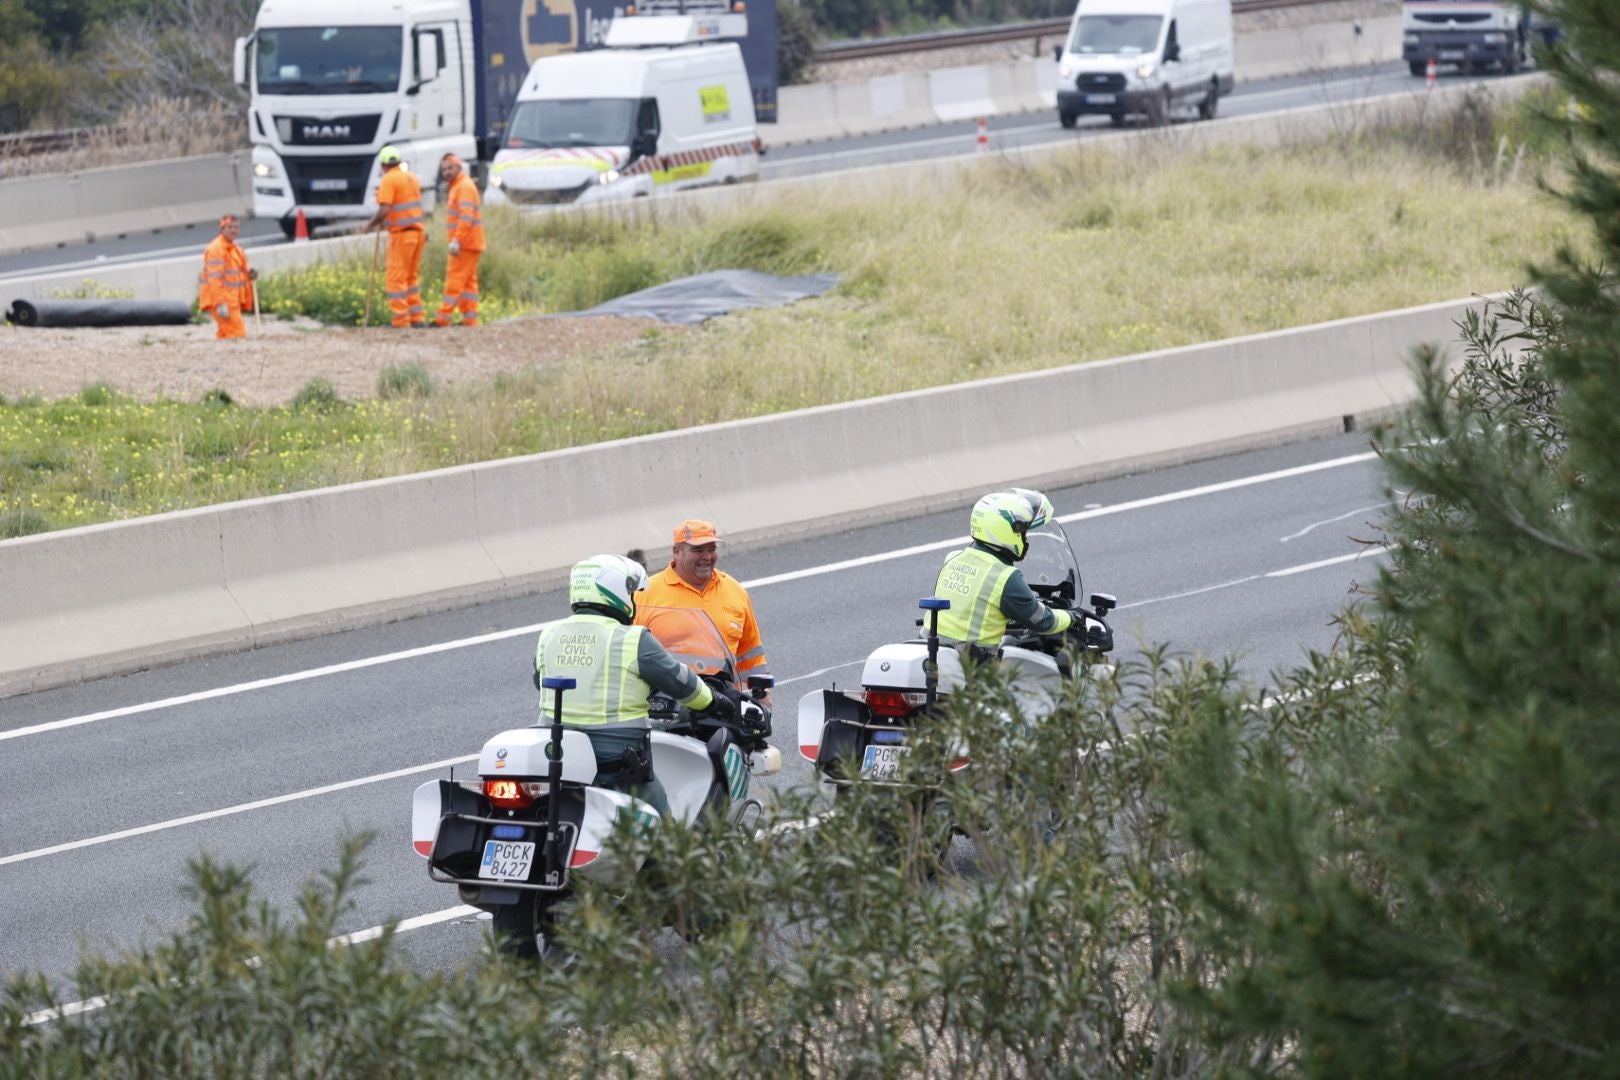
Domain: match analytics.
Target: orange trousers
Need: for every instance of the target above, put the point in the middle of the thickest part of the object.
(401, 285)
(460, 289)
(232, 327)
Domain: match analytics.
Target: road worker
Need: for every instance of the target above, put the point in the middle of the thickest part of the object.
(224, 288)
(616, 666)
(399, 209)
(986, 589)
(465, 224)
(692, 580)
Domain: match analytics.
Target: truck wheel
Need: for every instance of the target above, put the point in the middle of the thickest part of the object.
(1211, 102)
(1417, 67)
(1066, 119)
(289, 227)
(527, 929)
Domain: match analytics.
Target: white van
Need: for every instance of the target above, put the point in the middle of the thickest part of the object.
(620, 123)
(1145, 58)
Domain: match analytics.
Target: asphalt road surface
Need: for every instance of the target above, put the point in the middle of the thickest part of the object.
(269, 757)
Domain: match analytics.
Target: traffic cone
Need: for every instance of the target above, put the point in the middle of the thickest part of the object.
(301, 226)
(1431, 75)
(984, 137)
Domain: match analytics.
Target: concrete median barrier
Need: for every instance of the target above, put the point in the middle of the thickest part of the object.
(961, 93)
(110, 598)
(44, 211)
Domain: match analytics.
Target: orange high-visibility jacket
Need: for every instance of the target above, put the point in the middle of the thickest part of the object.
(466, 217)
(727, 603)
(402, 194)
(224, 277)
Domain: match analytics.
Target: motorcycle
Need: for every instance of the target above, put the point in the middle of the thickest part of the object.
(514, 839)
(865, 737)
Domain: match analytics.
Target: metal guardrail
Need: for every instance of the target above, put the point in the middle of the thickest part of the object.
(46, 142)
(834, 51)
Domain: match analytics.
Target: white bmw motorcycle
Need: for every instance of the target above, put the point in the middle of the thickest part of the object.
(513, 839)
(863, 737)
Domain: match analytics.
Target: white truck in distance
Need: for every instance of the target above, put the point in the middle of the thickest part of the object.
(1471, 34)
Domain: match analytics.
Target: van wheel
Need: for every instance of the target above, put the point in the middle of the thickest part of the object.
(1211, 102)
(1066, 119)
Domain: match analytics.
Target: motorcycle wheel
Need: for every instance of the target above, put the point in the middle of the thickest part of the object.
(527, 929)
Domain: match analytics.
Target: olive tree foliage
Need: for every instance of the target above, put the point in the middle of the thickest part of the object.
(1426, 880)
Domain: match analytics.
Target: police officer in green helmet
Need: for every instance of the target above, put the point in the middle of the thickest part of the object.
(987, 591)
(616, 666)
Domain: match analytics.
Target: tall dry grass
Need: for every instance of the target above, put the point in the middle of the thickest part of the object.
(155, 131)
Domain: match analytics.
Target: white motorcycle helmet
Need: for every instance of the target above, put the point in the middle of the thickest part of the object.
(1040, 507)
(607, 583)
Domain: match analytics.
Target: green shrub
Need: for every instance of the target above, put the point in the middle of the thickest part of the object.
(406, 381)
(220, 399)
(96, 395)
(316, 395)
(596, 275)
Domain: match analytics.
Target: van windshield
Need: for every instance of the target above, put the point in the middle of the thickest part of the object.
(1116, 34)
(573, 122)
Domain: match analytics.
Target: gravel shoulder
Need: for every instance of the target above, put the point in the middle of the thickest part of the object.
(269, 366)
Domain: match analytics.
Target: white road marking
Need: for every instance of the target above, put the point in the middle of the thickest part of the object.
(240, 808)
(774, 579)
(1318, 524)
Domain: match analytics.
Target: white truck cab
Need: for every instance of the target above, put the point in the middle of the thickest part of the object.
(333, 81)
(665, 106)
(1145, 58)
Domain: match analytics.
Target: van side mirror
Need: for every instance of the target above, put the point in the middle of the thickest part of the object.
(1172, 51)
(646, 144)
(1057, 53)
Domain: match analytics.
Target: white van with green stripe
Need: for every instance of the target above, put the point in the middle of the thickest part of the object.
(622, 123)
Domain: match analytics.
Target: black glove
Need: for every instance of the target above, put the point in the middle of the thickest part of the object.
(721, 708)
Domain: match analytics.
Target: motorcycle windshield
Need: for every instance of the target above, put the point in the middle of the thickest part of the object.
(1049, 566)
(691, 637)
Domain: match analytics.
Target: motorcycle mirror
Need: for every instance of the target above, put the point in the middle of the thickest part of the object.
(761, 682)
(1102, 603)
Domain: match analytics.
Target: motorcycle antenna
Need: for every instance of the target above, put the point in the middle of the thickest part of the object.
(553, 874)
(933, 605)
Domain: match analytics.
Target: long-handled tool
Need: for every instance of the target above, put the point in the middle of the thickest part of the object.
(258, 312)
(371, 282)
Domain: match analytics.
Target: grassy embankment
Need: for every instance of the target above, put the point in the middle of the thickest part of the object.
(1006, 269)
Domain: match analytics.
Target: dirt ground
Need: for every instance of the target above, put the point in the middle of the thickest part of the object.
(184, 362)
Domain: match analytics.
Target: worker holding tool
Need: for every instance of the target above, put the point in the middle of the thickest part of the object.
(224, 288)
(465, 224)
(399, 208)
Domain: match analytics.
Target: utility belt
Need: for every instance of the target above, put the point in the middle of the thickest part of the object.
(633, 763)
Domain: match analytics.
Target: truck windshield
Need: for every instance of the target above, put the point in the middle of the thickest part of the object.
(573, 122)
(330, 59)
(1116, 34)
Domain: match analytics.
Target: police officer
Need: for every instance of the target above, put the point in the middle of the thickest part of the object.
(986, 590)
(616, 665)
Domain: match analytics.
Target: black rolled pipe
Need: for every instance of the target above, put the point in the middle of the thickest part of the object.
(99, 313)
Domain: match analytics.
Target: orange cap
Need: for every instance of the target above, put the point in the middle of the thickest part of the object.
(696, 531)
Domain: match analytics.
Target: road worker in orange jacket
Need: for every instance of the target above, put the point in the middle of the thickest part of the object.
(691, 580)
(224, 288)
(465, 223)
(399, 209)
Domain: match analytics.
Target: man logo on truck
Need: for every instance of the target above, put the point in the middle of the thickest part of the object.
(549, 27)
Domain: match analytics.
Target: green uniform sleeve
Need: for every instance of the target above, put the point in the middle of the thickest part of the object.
(663, 672)
(1023, 608)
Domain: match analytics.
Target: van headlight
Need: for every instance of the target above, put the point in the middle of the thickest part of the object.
(496, 182)
(1146, 69)
(607, 176)
(1066, 71)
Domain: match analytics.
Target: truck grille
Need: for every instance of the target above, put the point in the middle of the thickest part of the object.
(315, 180)
(357, 130)
(1098, 81)
(546, 197)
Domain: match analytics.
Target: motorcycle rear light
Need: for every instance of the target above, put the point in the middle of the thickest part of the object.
(893, 703)
(513, 794)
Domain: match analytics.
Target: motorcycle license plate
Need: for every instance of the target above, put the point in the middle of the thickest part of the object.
(507, 860)
(1099, 99)
(882, 762)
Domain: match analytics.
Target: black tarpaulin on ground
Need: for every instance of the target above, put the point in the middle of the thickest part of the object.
(99, 313)
(693, 299)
